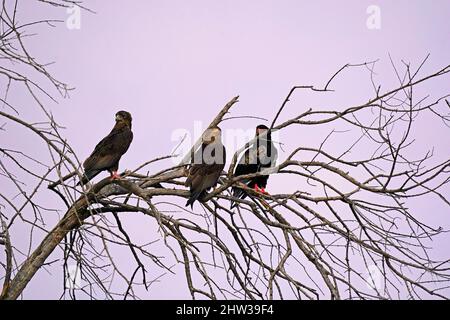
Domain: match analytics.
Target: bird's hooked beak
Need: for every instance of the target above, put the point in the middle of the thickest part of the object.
(211, 135)
(119, 117)
(260, 131)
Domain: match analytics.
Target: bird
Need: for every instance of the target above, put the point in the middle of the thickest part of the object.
(109, 150)
(259, 156)
(208, 163)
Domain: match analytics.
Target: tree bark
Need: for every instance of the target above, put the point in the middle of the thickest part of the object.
(72, 220)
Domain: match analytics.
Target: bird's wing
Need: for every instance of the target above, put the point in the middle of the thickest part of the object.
(273, 156)
(265, 159)
(196, 164)
(109, 150)
(248, 163)
(203, 176)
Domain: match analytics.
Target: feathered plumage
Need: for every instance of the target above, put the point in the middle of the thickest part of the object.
(208, 163)
(109, 150)
(261, 155)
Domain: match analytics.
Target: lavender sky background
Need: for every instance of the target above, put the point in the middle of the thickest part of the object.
(175, 63)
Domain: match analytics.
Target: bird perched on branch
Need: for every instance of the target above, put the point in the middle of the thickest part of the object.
(109, 150)
(261, 155)
(207, 165)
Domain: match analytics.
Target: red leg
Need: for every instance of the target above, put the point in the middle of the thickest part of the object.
(260, 190)
(115, 175)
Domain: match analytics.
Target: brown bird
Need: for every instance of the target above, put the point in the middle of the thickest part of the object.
(208, 163)
(109, 150)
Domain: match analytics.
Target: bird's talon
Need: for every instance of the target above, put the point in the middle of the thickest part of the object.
(115, 176)
(259, 190)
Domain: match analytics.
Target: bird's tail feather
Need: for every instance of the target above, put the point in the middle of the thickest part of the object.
(237, 193)
(158, 185)
(88, 175)
(194, 196)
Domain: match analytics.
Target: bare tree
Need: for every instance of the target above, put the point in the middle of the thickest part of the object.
(349, 215)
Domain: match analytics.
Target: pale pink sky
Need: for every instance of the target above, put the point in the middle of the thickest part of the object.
(171, 63)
